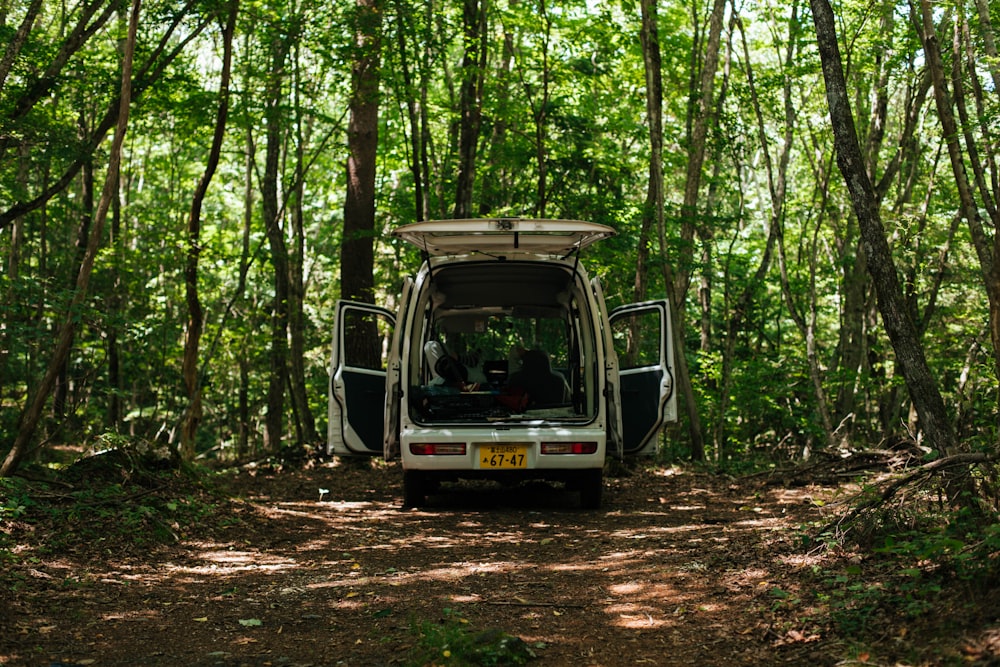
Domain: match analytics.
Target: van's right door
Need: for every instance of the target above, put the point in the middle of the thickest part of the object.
(356, 409)
(643, 340)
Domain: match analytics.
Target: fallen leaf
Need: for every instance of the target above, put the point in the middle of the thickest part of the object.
(203, 619)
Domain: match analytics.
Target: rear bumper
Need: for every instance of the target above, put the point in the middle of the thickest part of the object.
(529, 463)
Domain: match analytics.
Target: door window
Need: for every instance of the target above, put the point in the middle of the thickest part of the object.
(366, 339)
(638, 339)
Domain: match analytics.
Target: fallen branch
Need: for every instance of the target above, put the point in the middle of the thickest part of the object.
(920, 473)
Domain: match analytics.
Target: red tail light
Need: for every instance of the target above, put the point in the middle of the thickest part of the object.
(569, 447)
(437, 448)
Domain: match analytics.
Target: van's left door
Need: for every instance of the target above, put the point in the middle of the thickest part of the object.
(356, 403)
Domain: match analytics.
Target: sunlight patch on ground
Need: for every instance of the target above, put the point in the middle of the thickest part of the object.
(639, 621)
(628, 588)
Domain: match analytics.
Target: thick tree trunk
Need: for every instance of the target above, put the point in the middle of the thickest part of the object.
(471, 101)
(357, 254)
(33, 411)
(412, 107)
(903, 335)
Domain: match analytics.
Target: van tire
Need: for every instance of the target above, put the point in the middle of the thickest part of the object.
(414, 488)
(591, 486)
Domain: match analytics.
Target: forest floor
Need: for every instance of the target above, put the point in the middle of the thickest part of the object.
(316, 564)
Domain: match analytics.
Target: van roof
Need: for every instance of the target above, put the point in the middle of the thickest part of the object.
(502, 236)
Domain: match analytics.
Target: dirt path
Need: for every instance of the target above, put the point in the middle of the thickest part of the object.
(321, 567)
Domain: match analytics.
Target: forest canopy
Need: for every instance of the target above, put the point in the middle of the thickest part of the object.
(183, 198)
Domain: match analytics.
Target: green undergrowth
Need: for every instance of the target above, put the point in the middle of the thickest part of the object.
(903, 573)
(451, 641)
(114, 500)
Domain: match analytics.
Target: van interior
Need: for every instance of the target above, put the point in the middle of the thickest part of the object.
(503, 341)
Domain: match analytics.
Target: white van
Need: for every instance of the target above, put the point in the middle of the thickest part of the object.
(501, 362)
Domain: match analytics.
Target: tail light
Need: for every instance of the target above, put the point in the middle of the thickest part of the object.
(569, 447)
(437, 448)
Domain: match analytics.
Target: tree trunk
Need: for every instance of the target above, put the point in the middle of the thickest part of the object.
(470, 101)
(116, 381)
(495, 190)
(196, 319)
(776, 188)
(243, 429)
(306, 425)
(60, 392)
(412, 107)
(653, 208)
(970, 211)
(33, 411)
(273, 213)
(653, 212)
(357, 254)
(989, 42)
(902, 334)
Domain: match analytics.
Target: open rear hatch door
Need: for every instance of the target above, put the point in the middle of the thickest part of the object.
(502, 237)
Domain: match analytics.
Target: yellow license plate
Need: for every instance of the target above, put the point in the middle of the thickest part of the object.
(503, 457)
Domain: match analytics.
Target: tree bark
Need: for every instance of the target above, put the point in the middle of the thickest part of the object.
(357, 253)
(653, 214)
(412, 107)
(970, 211)
(196, 318)
(902, 334)
(273, 212)
(33, 410)
(989, 42)
(305, 424)
(470, 101)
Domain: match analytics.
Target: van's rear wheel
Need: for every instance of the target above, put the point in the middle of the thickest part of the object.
(591, 486)
(414, 488)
